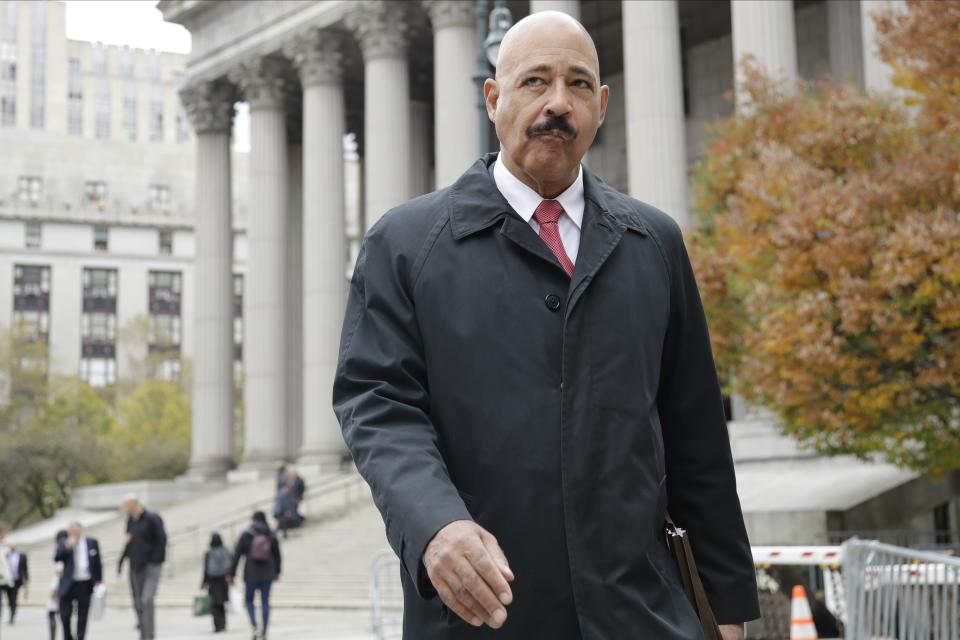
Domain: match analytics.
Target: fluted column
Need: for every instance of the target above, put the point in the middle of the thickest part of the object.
(210, 108)
(265, 428)
(656, 152)
(570, 7)
(876, 73)
(317, 56)
(765, 30)
(380, 27)
(455, 92)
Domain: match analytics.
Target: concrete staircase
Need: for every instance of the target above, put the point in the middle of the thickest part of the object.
(326, 563)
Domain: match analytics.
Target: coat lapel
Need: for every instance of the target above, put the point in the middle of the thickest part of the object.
(599, 236)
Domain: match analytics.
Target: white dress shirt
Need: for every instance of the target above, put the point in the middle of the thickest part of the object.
(525, 201)
(13, 560)
(81, 561)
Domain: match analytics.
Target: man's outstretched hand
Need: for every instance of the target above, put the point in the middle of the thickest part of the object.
(470, 573)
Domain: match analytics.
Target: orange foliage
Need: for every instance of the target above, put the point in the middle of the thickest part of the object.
(828, 251)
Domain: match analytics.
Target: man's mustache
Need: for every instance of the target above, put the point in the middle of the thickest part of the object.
(555, 123)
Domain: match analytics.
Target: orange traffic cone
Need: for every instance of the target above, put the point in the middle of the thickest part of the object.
(801, 619)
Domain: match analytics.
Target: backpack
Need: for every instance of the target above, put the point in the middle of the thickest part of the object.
(219, 562)
(260, 546)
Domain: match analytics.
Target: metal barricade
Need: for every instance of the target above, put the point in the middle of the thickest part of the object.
(386, 597)
(898, 593)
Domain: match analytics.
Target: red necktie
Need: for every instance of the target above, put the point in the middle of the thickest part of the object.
(546, 215)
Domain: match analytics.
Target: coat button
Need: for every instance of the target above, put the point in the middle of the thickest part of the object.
(552, 301)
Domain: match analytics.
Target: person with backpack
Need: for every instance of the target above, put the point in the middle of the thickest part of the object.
(262, 550)
(217, 565)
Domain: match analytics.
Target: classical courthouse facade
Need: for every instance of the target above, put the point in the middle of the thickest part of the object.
(399, 76)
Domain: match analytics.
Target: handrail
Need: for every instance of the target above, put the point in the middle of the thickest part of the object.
(241, 515)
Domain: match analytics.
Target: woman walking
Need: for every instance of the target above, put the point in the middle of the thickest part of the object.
(217, 564)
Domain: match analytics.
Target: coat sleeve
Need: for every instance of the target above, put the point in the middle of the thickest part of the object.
(701, 486)
(381, 398)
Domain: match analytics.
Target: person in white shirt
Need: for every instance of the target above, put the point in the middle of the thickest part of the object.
(6, 578)
(19, 576)
(82, 570)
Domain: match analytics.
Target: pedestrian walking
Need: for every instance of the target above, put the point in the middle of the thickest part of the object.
(284, 509)
(19, 575)
(82, 571)
(146, 549)
(298, 489)
(525, 380)
(6, 579)
(217, 565)
(53, 602)
(259, 545)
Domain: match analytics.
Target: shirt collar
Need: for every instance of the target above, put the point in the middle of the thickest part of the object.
(525, 200)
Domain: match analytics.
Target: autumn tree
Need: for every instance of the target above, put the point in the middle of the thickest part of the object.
(828, 250)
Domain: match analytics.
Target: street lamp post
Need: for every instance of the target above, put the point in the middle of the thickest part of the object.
(489, 36)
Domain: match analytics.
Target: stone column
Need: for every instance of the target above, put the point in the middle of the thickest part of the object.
(570, 7)
(844, 39)
(317, 56)
(656, 151)
(765, 30)
(876, 73)
(210, 108)
(265, 429)
(380, 27)
(455, 93)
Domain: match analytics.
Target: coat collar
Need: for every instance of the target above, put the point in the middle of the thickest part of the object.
(475, 203)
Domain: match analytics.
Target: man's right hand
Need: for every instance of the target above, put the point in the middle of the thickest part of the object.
(470, 573)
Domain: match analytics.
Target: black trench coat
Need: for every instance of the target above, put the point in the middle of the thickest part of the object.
(477, 381)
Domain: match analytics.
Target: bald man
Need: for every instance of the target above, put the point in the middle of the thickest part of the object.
(525, 380)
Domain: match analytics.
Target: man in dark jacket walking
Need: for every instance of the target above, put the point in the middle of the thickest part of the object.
(262, 551)
(82, 571)
(525, 380)
(146, 549)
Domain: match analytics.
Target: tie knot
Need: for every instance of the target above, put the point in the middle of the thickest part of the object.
(548, 212)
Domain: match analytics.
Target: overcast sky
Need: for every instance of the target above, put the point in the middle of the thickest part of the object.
(137, 23)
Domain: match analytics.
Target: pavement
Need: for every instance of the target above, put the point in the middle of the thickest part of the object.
(180, 624)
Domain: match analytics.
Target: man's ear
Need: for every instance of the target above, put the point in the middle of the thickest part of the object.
(491, 95)
(604, 98)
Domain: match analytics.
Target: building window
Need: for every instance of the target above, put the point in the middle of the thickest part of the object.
(166, 242)
(126, 62)
(102, 98)
(74, 98)
(156, 117)
(8, 65)
(153, 65)
(101, 237)
(33, 234)
(29, 189)
(31, 302)
(237, 317)
(98, 327)
(99, 289)
(130, 111)
(38, 63)
(159, 197)
(98, 372)
(95, 193)
(165, 324)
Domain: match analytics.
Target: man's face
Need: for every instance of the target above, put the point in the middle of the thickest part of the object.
(547, 101)
(75, 530)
